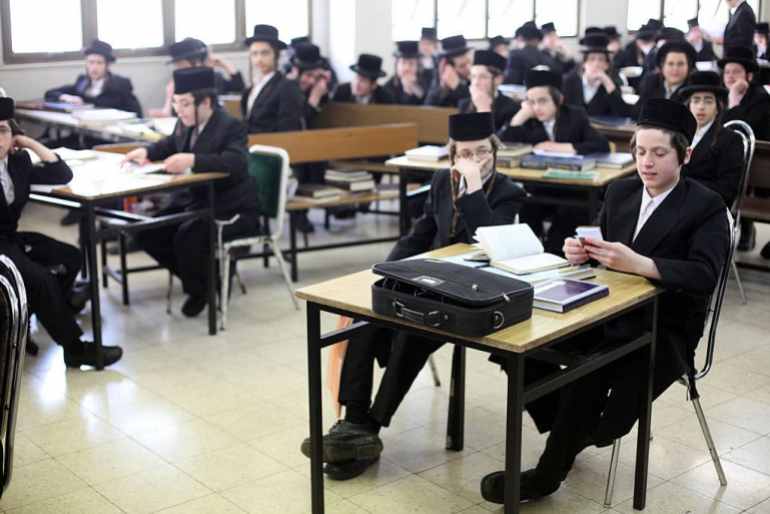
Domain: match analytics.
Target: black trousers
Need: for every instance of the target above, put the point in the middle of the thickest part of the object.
(183, 248)
(48, 268)
(564, 220)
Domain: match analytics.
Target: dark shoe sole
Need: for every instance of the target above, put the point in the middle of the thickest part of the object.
(336, 451)
(90, 360)
(348, 470)
(493, 487)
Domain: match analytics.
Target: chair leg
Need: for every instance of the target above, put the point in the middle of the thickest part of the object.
(709, 441)
(434, 371)
(744, 300)
(224, 277)
(610, 490)
(239, 279)
(282, 264)
(169, 291)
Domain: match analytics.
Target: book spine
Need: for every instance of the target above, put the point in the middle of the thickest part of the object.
(588, 299)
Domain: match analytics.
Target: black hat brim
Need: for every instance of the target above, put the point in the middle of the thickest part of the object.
(91, 51)
(308, 65)
(719, 91)
(595, 50)
(751, 66)
(275, 42)
(406, 55)
(187, 55)
(368, 73)
(454, 52)
(681, 47)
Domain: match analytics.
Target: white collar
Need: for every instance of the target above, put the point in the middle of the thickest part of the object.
(733, 9)
(656, 200)
(699, 133)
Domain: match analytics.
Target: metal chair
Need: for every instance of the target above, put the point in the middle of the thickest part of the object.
(690, 380)
(13, 337)
(749, 143)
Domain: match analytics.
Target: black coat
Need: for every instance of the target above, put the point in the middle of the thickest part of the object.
(396, 90)
(504, 108)
(24, 174)
(754, 109)
(602, 104)
(717, 162)
(279, 107)
(572, 126)
(740, 27)
(220, 147)
(522, 59)
(439, 96)
(652, 86)
(706, 52)
(433, 229)
(117, 93)
(380, 95)
(560, 64)
(234, 84)
(632, 56)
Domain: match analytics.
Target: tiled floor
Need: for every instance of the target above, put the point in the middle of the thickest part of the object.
(188, 423)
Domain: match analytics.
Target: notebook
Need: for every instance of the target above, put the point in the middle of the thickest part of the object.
(516, 249)
(430, 153)
(565, 295)
(617, 160)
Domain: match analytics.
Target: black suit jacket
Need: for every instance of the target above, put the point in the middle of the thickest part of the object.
(279, 107)
(396, 90)
(433, 229)
(220, 147)
(439, 96)
(503, 108)
(232, 85)
(24, 174)
(602, 104)
(380, 95)
(754, 109)
(717, 162)
(560, 63)
(740, 27)
(522, 59)
(652, 86)
(117, 93)
(706, 52)
(572, 126)
(631, 56)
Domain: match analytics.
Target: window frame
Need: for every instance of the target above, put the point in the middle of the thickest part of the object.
(634, 30)
(90, 30)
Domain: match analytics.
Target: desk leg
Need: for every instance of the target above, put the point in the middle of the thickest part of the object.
(645, 416)
(88, 242)
(593, 205)
(455, 436)
(82, 236)
(293, 245)
(403, 214)
(513, 433)
(316, 413)
(212, 282)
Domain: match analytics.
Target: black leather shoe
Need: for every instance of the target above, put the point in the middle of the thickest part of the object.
(748, 239)
(84, 354)
(348, 470)
(493, 487)
(765, 253)
(79, 297)
(347, 442)
(194, 305)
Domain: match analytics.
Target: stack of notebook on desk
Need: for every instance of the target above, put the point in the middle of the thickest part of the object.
(510, 155)
(317, 191)
(559, 162)
(353, 181)
(428, 153)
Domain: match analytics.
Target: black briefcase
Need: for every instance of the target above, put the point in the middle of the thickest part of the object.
(450, 297)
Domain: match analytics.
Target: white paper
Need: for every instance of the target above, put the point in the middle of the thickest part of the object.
(504, 242)
(590, 232)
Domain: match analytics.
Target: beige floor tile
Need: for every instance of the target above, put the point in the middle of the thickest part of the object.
(149, 491)
(668, 499)
(38, 482)
(463, 476)
(668, 458)
(418, 449)
(412, 494)
(284, 446)
(745, 487)
(86, 431)
(261, 418)
(26, 452)
(43, 411)
(84, 501)
(562, 501)
(184, 440)
(206, 505)
(762, 508)
(110, 461)
(742, 412)
(735, 379)
(378, 474)
(755, 455)
(726, 437)
(761, 395)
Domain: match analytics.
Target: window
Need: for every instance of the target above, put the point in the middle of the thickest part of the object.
(640, 12)
(563, 14)
(506, 15)
(712, 14)
(217, 27)
(32, 33)
(466, 17)
(291, 17)
(410, 17)
(676, 14)
(118, 23)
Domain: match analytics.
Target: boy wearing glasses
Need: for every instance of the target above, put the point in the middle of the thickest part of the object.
(469, 195)
(486, 77)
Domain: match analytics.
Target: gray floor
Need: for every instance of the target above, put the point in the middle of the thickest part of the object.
(188, 423)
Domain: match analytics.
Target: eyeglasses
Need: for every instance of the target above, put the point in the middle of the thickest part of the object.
(480, 153)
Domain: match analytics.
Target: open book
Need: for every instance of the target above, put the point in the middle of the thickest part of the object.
(515, 248)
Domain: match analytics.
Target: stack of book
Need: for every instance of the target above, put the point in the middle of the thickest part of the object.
(352, 181)
(565, 295)
(317, 191)
(617, 160)
(571, 162)
(429, 153)
(509, 156)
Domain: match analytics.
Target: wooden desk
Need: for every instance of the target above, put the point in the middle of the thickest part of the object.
(350, 295)
(102, 179)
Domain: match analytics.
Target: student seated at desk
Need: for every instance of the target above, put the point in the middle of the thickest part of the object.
(761, 37)
(523, 59)
(470, 195)
(501, 46)
(428, 52)
(592, 86)
(635, 53)
(363, 89)
(669, 229)
(273, 103)
(486, 77)
(614, 46)
(48, 267)
(98, 86)
(408, 85)
(704, 49)
(450, 83)
(553, 47)
(717, 152)
(205, 139)
(676, 60)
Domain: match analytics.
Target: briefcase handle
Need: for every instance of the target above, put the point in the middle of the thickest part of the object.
(431, 319)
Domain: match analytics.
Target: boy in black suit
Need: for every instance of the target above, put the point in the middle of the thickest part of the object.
(206, 139)
(409, 84)
(704, 49)
(363, 89)
(635, 53)
(554, 48)
(470, 195)
(98, 86)
(450, 83)
(669, 229)
(36, 255)
(521, 60)
(486, 77)
(675, 60)
(761, 37)
(740, 25)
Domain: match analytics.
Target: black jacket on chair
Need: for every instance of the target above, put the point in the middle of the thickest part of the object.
(344, 93)
(220, 147)
(117, 93)
(572, 126)
(522, 59)
(433, 229)
(717, 162)
(740, 27)
(503, 109)
(602, 104)
(279, 107)
(24, 174)
(754, 109)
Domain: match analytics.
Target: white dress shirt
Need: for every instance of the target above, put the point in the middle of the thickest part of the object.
(95, 89)
(733, 9)
(648, 206)
(548, 125)
(700, 133)
(6, 183)
(256, 89)
(670, 91)
(589, 91)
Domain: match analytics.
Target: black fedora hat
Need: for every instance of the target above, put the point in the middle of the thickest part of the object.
(7, 108)
(669, 34)
(595, 43)
(369, 66)
(188, 48)
(100, 47)
(693, 22)
(612, 32)
(678, 46)
(708, 81)
(594, 30)
(428, 33)
(740, 55)
(547, 28)
(296, 41)
(453, 46)
(307, 56)
(189, 80)
(530, 31)
(669, 115)
(471, 126)
(489, 58)
(762, 28)
(537, 78)
(267, 34)
(407, 49)
(498, 40)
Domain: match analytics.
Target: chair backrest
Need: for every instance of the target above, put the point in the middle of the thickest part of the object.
(269, 165)
(749, 143)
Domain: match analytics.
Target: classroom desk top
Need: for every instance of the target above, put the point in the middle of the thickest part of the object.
(352, 293)
(605, 176)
